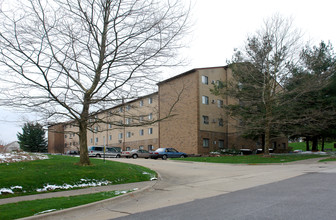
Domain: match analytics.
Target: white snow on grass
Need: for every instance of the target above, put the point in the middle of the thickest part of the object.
(21, 156)
(81, 184)
(152, 177)
(9, 190)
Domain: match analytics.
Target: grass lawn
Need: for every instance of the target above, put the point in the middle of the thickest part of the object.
(328, 159)
(30, 208)
(26, 178)
(252, 159)
(302, 146)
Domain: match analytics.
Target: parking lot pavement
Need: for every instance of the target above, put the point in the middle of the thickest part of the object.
(182, 182)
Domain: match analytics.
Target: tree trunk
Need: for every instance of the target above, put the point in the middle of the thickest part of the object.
(322, 147)
(83, 125)
(307, 143)
(268, 114)
(315, 142)
(84, 156)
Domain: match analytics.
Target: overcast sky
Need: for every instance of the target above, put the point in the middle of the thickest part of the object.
(219, 27)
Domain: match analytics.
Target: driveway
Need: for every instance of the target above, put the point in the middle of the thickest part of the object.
(181, 182)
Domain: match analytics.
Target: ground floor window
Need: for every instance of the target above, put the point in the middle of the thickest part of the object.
(221, 144)
(150, 147)
(141, 147)
(205, 142)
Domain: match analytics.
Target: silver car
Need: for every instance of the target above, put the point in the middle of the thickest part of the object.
(98, 151)
(135, 154)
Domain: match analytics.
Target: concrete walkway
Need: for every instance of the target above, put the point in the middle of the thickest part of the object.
(181, 182)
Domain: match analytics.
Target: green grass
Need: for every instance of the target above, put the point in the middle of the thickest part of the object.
(60, 170)
(302, 146)
(30, 208)
(328, 159)
(252, 159)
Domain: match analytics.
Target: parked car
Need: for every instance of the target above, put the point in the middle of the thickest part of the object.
(136, 153)
(165, 153)
(72, 152)
(98, 151)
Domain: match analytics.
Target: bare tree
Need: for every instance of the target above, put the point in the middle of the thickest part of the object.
(259, 69)
(68, 58)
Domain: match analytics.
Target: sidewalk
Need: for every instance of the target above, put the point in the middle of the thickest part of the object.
(137, 187)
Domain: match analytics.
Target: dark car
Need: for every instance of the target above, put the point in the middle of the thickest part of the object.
(165, 153)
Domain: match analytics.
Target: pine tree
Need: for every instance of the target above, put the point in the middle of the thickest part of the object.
(32, 138)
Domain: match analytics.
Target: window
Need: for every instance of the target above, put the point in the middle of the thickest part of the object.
(141, 118)
(128, 121)
(205, 80)
(128, 107)
(150, 100)
(65, 136)
(205, 100)
(141, 103)
(150, 147)
(220, 122)
(205, 142)
(96, 129)
(110, 137)
(150, 116)
(96, 140)
(120, 136)
(220, 103)
(141, 132)
(110, 125)
(128, 148)
(150, 130)
(141, 147)
(128, 134)
(91, 141)
(205, 119)
(121, 109)
(219, 84)
(221, 144)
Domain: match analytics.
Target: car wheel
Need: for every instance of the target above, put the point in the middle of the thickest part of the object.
(164, 157)
(118, 156)
(182, 156)
(98, 155)
(135, 156)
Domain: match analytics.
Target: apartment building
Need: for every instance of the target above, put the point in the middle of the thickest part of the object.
(183, 114)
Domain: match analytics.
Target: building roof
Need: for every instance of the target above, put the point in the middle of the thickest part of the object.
(189, 72)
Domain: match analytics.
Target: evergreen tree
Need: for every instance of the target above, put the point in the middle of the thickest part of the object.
(311, 111)
(32, 138)
(258, 71)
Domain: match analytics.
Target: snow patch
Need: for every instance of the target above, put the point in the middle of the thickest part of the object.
(21, 156)
(81, 184)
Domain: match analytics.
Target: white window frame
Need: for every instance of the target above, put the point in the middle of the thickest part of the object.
(205, 80)
(150, 130)
(205, 100)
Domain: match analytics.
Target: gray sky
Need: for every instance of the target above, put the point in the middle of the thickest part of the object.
(220, 26)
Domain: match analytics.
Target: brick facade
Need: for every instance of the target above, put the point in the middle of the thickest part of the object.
(184, 112)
